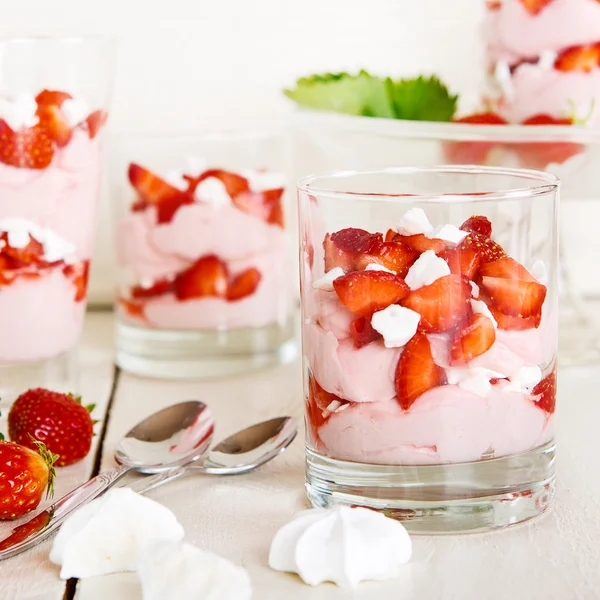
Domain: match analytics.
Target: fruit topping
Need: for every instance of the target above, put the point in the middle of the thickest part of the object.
(80, 273)
(535, 6)
(442, 305)
(57, 420)
(579, 58)
(95, 122)
(473, 339)
(158, 288)
(462, 261)
(472, 152)
(515, 297)
(234, 184)
(507, 268)
(362, 332)
(544, 393)
(30, 148)
(32, 253)
(208, 276)
(421, 243)
(243, 285)
(394, 256)
(319, 404)
(56, 125)
(416, 371)
(264, 205)
(510, 323)
(52, 97)
(24, 477)
(343, 248)
(478, 224)
(365, 292)
(487, 249)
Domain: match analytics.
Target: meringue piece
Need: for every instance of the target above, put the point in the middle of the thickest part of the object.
(481, 308)
(525, 379)
(538, 271)
(212, 191)
(108, 534)
(448, 233)
(547, 60)
(261, 181)
(377, 267)
(75, 111)
(181, 571)
(474, 289)
(20, 112)
(504, 79)
(325, 283)
(426, 269)
(343, 545)
(473, 379)
(194, 166)
(414, 221)
(396, 324)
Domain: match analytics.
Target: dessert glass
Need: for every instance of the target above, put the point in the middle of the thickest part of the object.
(204, 263)
(54, 95)
(429, 343)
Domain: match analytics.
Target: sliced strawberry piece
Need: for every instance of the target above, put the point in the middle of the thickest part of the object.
(507, 268)
(416, 371)
(133, 308)
(462, 261)
(493, 4)
(472, 153)
(544, 393)
(152, 189)
(421, 243)
(514, 297)
(487, 249)
(365, 292)
(52, 97)
(55, 124)
(95, 122)
(167, 208)
(317, 404)
(80, 274)
(206, 277)
(535, 6)
(579, 58)
(473, 339)
(29, 148)
(234, 184)
(510, 323)
(32, 253)
(244, 284)
(391, 255)
(362, 332)
(264, 205)
(478, 224)
(344, 247)
(545, 119)
(159, 288)
(390, 234)
(442, 305)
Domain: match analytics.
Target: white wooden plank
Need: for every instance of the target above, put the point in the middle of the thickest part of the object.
(30, 576)
(554, 557)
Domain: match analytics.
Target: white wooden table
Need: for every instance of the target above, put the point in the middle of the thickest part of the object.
(554, 557)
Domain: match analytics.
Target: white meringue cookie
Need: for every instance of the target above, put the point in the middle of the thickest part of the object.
(178, 571)
(109, 534)
(343, 545)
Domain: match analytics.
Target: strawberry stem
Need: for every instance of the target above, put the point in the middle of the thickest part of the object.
(49, 459)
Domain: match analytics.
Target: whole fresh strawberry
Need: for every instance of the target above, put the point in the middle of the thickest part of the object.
(25, 475)
(58, 420)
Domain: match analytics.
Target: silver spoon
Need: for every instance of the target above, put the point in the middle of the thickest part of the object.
(167, 439)
(239, 453)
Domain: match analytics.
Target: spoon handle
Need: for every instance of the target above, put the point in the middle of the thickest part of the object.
(44, 523)
(141, 486)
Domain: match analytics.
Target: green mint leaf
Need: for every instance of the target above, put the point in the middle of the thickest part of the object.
(359, 95)
(421, 99)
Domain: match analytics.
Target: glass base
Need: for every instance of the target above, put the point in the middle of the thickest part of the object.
(169, 354)
(58, 374)
(440, 499)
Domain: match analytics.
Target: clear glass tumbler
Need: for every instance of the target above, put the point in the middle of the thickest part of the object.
(54, 95)
(429, 343)
(205, 284)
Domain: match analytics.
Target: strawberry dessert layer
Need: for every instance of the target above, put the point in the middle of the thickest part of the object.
(544, 56)
(425, 349)
(208, 254)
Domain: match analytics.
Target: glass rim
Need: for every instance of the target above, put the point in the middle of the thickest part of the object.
(207, 135)
(66, 38)
(547, 184)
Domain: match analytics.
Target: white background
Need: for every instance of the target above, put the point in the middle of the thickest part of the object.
(191, 65)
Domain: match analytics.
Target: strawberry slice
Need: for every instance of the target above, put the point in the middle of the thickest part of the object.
(478, 224)
(472, 153)
(442, 305)
(234, 184)
(152, 189)
(52, 97)
(55, 124)
(579, 58)
(515, 297)
(462, 261)
(473, 339)
(244, 284)
(391, 255)
(159, 288)
(544, 393)
(365, 292)
(362, 332)
(95, 121)
(416, 372)
(30, 148)
(206, 277)
(79, 273)
(32, 253)
(421, 243)
(390, 234)
(534, 7)
(132, 308)
(343, 248)
(488, 250)
(264, 205)
(166, 210)
(507, 268)
(510, 323)
(318, 402)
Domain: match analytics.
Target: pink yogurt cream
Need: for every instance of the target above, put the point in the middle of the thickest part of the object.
(152, 251)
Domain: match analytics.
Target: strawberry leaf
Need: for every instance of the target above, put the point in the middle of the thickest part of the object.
(1, 437)
(90, 407)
